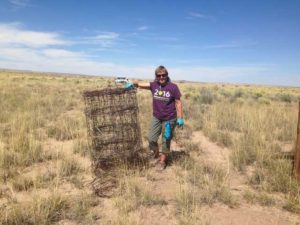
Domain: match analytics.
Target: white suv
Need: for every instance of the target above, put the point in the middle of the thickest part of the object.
(121, 80)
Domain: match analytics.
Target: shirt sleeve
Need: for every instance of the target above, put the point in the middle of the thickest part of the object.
(151, 86)
(177, 93)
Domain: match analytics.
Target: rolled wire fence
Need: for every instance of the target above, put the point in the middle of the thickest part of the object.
(114, 133)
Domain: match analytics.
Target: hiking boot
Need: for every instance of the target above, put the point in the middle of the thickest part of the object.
(161, 164)
(153, 157)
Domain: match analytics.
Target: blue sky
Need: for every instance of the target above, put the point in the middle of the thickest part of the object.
(211, 41)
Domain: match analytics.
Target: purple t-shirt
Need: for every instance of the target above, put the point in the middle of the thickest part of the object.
(164, 100)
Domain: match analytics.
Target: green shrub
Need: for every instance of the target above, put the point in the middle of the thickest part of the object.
(206, 96)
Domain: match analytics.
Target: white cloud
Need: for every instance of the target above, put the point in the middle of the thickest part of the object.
(59, 60)
(61, 53)
(197, 15)
(12, 34)
(216, 74)
(64, 61)
(23, 49)
(104, 36)
(20, 3)
(142, 28)
(44, 51)
(56, 60)
(104, 39)
(17, 54)
(230, 45)
(155, 37)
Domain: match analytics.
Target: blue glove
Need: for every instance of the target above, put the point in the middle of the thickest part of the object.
(180, 122)
(129, 85)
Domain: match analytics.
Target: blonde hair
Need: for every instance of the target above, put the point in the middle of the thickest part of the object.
(161, 69)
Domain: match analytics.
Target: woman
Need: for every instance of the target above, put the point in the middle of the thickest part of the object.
(167, 112)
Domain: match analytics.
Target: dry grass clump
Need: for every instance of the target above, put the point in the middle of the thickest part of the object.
(275, 176)
(20, 150)
(23, 183)
(48, 210)
(68, 167)
(81, 147)
(207, 183)
(131, 195)
(206, 96)
(67, 126)
(223, 138)
(40, 211)
(213, 186)
(188, 212)
(199, 185)
(261, 198)
(292, 204)
(284, 97)
(189, 146)
(122, 220)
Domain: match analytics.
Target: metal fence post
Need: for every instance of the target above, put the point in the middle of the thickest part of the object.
(297, 151)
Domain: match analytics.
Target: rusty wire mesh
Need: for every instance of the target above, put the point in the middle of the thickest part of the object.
(114, 131)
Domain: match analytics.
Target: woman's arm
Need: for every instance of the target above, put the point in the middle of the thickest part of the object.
(179, 110)
(142, 85)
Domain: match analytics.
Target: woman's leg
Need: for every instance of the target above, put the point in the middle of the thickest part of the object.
(154, 133)
(166, 144)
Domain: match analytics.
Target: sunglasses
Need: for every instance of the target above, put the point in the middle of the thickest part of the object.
(161, 75)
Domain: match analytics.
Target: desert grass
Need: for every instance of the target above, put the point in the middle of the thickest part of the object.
(131, 194)
(39, 114)
(48, 210)
(199, 184)
(186, 205)
(261, 198)
(44, 150)
(256, 123)
(209, 183)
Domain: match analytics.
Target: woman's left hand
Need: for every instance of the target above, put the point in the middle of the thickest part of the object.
(180, 122)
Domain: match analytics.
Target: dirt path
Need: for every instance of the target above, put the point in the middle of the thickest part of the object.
(164, 185)
(243, 214)
(221, 156)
